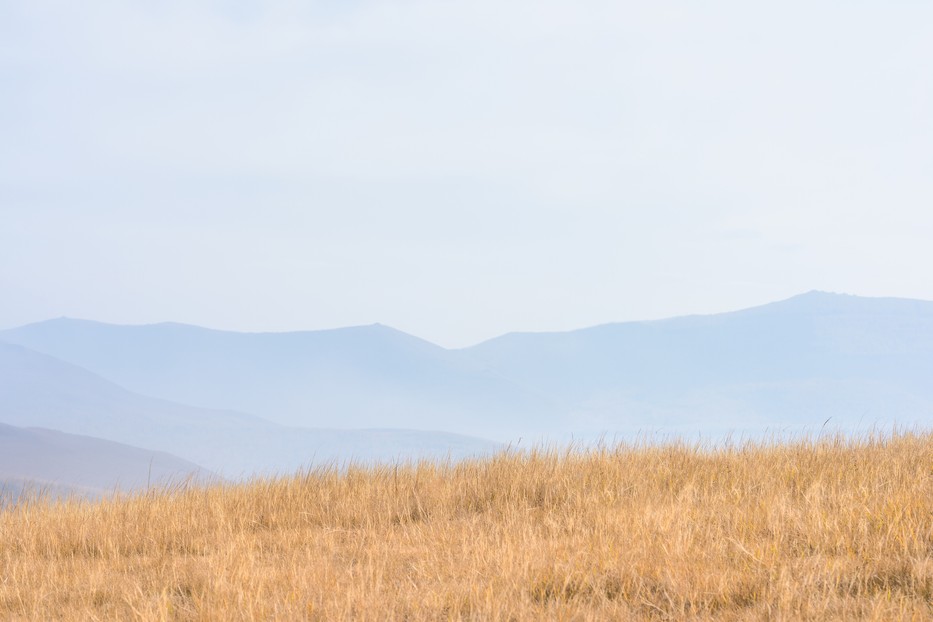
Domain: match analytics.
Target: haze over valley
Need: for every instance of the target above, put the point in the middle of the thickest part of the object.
(240, 404)
(280, 234)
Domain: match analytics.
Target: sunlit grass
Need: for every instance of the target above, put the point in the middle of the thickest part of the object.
(832, 528)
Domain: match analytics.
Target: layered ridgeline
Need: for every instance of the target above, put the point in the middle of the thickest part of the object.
(42, 391)
(790, 365)
(359, 377)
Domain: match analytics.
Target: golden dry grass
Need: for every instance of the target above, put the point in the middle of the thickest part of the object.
(828, 529)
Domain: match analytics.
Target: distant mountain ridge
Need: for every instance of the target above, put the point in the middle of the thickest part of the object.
(791, 338)
(793, 362)
(786, 365)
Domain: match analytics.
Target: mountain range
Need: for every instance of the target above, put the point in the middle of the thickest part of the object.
(242, 403)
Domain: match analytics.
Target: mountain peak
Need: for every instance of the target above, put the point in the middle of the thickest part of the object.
(816, 298)
(817, 301)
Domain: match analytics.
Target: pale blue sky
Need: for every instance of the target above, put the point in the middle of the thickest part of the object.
(458, 169)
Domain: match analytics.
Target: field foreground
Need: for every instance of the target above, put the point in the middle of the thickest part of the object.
(827, 529)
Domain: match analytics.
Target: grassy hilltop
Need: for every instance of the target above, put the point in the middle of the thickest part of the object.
(825, 529)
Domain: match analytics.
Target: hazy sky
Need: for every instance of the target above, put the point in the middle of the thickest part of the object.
(458, 169)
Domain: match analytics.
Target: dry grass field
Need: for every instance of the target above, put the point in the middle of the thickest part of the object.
(826, 529)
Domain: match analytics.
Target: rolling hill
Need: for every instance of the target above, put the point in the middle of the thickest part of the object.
(47, 459)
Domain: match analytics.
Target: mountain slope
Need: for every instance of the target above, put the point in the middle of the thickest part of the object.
(797, 361)
(89, 465)
(813, 334)
(369, 376)
(39, 390)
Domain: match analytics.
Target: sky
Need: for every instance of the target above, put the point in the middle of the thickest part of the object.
(458, 169)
